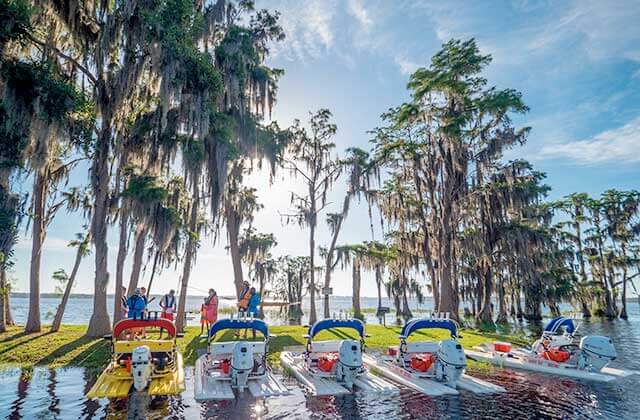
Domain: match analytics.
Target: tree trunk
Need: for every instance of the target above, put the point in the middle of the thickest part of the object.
(485, 315)
(586, 313)
(188, 260)
(100, 324)
(533, 312)
(233, 230)
(379, 284)
(357, 313)
(57, 320)
(448, 300)
(3, 297)
(406, 310)
(623, 310)
(328, 266)
(153, 272)
(519, 312)
(138, 254)
(120, 261)
(312, 274)
(40, 187)
(503, 317)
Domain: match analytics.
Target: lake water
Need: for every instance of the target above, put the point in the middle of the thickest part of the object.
(79, 307)
(57, 393)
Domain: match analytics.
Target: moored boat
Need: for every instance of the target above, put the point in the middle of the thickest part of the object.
(558, 352)
(151, 365)
(433, 368)
(334, 367)
(230, 366)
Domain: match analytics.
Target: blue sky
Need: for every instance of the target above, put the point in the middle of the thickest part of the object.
(577, 64)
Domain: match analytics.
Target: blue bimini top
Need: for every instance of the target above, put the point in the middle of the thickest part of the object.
(554, 325)
(325, 324)
(426, 323)
(238, 324)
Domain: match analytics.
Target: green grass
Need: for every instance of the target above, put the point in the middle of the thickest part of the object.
(69, 347)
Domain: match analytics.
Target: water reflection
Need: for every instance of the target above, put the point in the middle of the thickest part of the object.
(43, 393)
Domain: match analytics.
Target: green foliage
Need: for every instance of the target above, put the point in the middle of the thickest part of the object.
(61, 278)
(192, 150)
(15, 21)
(145, 189)
(31, 81)
(177, 24)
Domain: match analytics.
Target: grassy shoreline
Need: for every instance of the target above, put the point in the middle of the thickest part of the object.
(69, 347)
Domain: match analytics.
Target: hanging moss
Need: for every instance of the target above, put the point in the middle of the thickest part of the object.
(177, 25)
(192, 150)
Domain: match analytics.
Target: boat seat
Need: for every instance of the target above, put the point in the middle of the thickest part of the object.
(226, 347)
(127, 346)
(423, 347)
(325, 346)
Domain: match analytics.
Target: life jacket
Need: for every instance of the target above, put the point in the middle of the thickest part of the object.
(168, 301)
(422, 362)
(326, 361)
(136, 305)
(243, 302)
(556, 355)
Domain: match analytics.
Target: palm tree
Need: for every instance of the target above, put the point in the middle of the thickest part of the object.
(312, 159)
(82, 244)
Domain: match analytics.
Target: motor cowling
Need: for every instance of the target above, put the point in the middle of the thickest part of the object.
(595, 352)
(349, 362)
(141, 367)
(241, 364)
(450, 362)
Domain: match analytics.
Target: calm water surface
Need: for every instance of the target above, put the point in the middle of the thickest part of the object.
(58, 393)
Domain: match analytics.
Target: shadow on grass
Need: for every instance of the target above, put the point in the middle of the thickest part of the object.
(95, 356)
(17, 342)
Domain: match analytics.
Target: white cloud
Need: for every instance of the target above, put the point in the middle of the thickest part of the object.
(360, 13)
(602, 29)
(308, 27)
(620, 144)
(406, 66)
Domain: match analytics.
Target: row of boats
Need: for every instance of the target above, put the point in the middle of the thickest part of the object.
(339, 366)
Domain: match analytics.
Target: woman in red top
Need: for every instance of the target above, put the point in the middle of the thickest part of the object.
(211, 307)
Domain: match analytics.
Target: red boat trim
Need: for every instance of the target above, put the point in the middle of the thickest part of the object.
(126, 324)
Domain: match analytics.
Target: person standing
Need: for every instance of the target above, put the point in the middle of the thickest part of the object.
(136, 305)
(211, 307)
(243, 303)
(252, 308)
(203, 317)
(168, 305)
(243, 300)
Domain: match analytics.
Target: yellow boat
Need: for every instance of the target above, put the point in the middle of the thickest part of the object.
(154, 365)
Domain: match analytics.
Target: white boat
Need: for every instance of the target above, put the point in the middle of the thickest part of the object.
(236, 365)
(333, 367)
(558, 353)
(433, 368)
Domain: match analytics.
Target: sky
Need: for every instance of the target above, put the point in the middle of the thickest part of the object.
(577, 64)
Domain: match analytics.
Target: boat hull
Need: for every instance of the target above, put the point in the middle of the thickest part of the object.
(208, 388)
(293, 363)
(427, 386)
(116, 382)
(545, 366)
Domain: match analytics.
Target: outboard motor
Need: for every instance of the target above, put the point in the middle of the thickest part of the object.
(451, 362)
(141, 367)
(349, 362)
(596, 352)
(241, 364)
